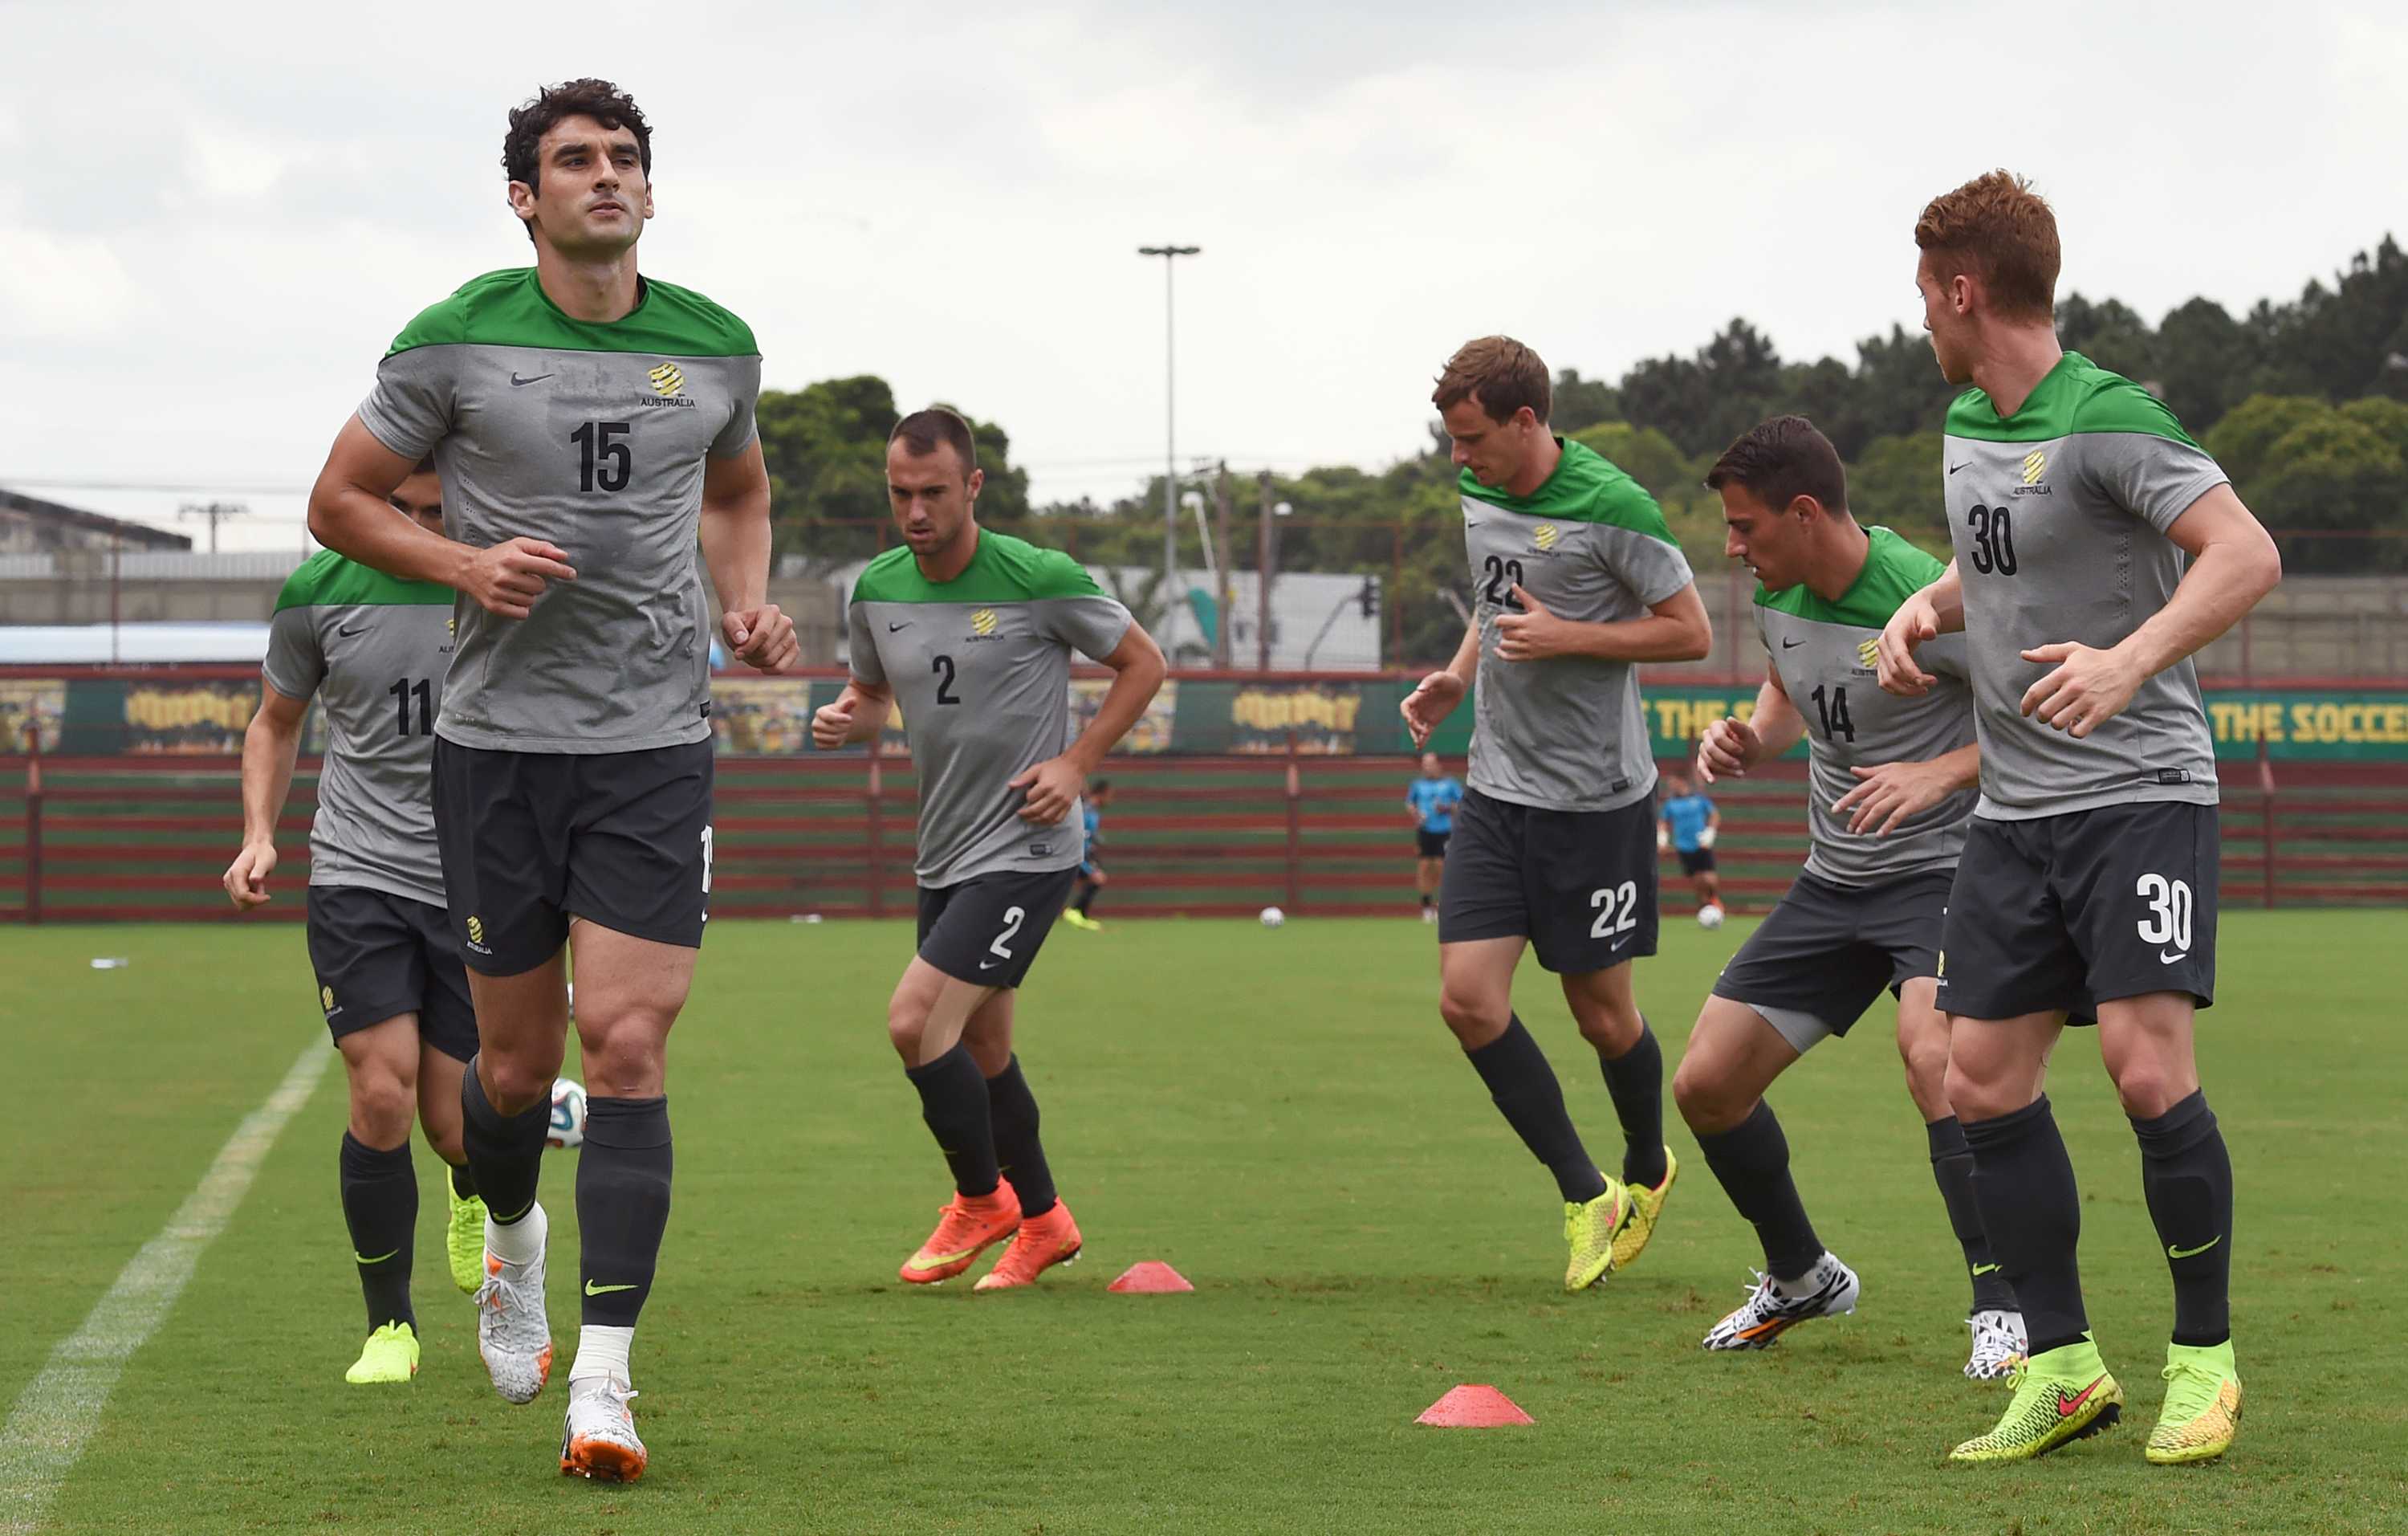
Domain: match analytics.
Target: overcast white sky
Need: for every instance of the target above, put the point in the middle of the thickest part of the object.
(212, 220)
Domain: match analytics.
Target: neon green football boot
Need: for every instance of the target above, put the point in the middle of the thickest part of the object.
(1646, 1205)
(391, 1354)
(2061, 1395)
(464, 1238)
(1589, 1231)
(2202, 1411)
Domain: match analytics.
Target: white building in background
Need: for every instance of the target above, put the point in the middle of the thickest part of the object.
(1317, 623)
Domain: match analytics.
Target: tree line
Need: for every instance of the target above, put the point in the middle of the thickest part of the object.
(2304, 403)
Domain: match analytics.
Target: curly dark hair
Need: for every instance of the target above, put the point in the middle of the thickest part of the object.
(600, 100)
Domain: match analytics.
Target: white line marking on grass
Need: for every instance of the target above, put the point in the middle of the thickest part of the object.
(47, 1430)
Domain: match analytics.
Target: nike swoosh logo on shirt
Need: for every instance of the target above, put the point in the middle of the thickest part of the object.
(1953, 468)
(1791, 645)
(2172, 1251)
(591, 1289)
(522, 383)
(347, 634)
(893, 627)
(2165, 959)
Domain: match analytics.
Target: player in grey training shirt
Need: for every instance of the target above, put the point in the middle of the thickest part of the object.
(970, 633)
(1889, 789)
(2096, 548)
(594, 431)
(372, 652)
(1576, 578)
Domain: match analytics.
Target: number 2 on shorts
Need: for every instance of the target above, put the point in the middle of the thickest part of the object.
(1012, 920)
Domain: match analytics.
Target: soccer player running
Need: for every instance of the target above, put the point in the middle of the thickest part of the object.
(1688, 826)
(971, 632)
(1889, 792)
(373, 650)
(1092, 877)
(1576, 577)
(1431, 800)
(2098, 547)
(594, 432)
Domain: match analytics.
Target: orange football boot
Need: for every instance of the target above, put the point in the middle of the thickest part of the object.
(1042, 1242)
(966, 1226)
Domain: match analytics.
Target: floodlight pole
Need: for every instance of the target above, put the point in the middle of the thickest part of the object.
(1169, 254)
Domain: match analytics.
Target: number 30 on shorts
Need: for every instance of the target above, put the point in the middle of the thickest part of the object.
(2168, 919)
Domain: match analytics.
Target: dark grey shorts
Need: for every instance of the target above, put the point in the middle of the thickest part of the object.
(2066, 912)
(987, 930)
(379, 955)
(530, 839)
(1828, 952)
(1579, 885)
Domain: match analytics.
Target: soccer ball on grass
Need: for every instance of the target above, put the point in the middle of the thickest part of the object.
(1710, 916)
(567, 1126)
(1273, 917)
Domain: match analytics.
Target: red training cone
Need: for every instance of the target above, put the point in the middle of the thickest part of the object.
(1473, 1407)
(1153, 1277)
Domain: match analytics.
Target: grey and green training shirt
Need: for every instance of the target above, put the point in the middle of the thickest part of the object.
(2058, 514)
(373, 651)
(1823, 654)
(980, 667)
(594, 438)
(1566, 733)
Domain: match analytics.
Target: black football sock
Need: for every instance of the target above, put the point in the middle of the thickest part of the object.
(2186, 1174)
(1752, 1162)
(954, 1102)
(1533, 1102)
(1427, 899)
(2031, 1208)
(505, 1151)
(1635, 1081)
(1086, 898)
(1952, 1165)
(1011, 1111)
(622, 1204)
(380, 1207)
(464, 1181)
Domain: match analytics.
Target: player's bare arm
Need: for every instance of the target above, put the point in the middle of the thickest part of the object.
(270, 747)
(1675, 629)
(1938, 609)
(856, 715)
(1052, 786)
(1888, 794)
(2233, 564)
(1732, 746)
(1438, 694)
(349, 513)
(736, 547)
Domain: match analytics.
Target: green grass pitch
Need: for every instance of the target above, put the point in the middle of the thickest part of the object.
(1282, 1115)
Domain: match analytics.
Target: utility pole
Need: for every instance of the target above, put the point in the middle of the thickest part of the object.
(1225, 582)
(1171, 593)
(215, 512)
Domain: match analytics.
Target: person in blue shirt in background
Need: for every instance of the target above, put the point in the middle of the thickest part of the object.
(1432, 801)
(1688, 824)
(1091, 872)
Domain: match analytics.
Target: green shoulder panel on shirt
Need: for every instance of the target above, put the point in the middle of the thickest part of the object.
(510, 309)
(328, 580)
(1004, 570)
(1586, 487)
(1894, 571)
(2076, 396)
